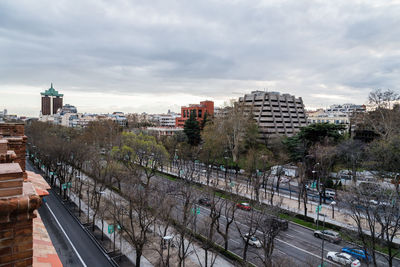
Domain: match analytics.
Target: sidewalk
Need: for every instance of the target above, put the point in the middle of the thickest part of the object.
(150, 257)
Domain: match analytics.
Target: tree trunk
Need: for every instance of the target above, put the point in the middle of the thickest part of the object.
(138, 257)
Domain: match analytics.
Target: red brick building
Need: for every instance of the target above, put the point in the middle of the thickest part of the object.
(51, 101)
(199, 109)
(23, 238)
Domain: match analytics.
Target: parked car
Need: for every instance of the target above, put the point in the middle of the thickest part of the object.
(284, 180)
(244, 206)
(357, 253)
(274, 221)
(205, 202)
(329, 235)
(253, 240)
(331, 195)
(343, 258)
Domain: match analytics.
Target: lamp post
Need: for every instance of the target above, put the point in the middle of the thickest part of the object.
(322, 247)
(333, 203)
(167, 239)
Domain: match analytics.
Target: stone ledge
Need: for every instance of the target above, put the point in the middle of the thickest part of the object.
(13, 209)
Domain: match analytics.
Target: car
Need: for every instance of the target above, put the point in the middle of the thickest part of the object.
(331, 195)
(244, 206)
(284, 180)
(253, 240)
(343, 258)
(329, 235)
(357, 253)
(274, 222)
(205, 202)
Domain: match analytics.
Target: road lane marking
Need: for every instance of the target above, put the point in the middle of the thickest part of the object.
(234, 241)
(69, 240)
(305, 251)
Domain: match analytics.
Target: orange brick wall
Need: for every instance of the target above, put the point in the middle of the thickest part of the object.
(15, 134)
(16, 243)
(205, 107)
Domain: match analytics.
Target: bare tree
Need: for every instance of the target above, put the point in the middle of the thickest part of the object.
(270, 227)
(363, 214)
(252, 222)
(227, 213)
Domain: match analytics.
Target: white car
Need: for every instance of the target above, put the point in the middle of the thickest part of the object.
(343, 258)
(253, 241)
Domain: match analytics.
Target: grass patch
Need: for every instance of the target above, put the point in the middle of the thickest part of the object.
(297, 220)
(169, 177)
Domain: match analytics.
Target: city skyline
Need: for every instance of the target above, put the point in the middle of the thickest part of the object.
(151, 57)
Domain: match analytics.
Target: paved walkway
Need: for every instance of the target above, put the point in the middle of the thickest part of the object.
(150, 257)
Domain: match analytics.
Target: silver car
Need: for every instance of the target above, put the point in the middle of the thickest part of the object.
(329, 235)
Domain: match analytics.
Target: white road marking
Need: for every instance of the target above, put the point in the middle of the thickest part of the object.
(69, 240)
(234, 241)
(290, 235)
(305, 251)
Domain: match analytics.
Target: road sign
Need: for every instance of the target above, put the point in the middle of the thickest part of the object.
(313, 184)
(196, 210)
(318, 208)
(110, 229)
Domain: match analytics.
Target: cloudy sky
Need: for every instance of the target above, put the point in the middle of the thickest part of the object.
(151, 56)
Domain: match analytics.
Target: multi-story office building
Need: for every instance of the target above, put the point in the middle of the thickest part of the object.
(51, 101)
(165, 120)
(336, 114)
(67, 108)
(276, 114)
(198, 110)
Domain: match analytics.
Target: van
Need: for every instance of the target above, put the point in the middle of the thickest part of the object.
(330, 194)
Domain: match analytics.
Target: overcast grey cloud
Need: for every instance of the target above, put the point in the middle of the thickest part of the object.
(153, 55)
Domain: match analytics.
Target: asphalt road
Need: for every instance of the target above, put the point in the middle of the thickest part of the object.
(297, 243)
(73, 245)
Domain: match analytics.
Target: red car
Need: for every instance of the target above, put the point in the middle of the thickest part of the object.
(243, 206)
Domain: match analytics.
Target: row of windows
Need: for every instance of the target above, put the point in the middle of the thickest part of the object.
(330, 121)
(186, 113)
(273, 100)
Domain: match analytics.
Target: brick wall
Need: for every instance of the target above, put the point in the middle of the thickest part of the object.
(18, 199)
(14, 133)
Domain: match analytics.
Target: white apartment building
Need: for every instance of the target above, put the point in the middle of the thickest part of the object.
(165, 120)
(336, 114)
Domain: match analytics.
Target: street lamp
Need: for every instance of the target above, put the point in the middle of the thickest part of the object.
(167, 239)
(333, 203)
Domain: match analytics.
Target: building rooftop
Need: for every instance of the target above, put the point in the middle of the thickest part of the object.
(51, 92)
